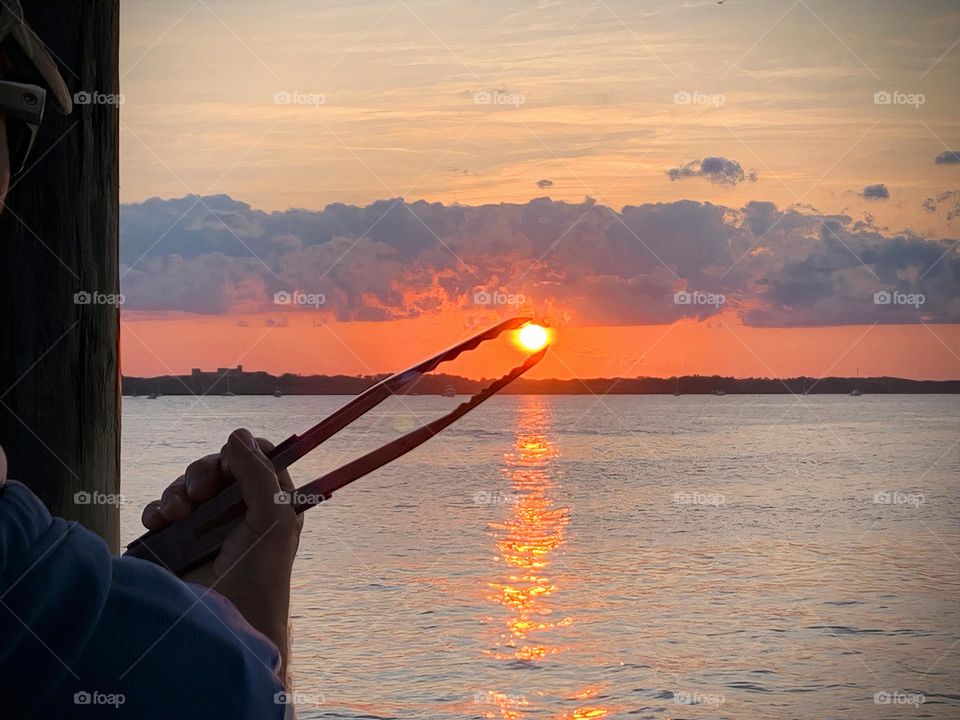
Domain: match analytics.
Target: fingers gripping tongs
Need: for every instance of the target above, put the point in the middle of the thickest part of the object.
(196, 540)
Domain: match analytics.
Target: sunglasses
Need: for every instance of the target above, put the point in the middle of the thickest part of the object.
(22, 107)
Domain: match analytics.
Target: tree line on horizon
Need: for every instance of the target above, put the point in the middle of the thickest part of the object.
(262, 383)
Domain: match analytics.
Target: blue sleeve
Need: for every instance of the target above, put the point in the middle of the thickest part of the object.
(85, 634)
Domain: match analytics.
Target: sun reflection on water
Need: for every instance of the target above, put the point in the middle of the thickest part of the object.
(527, 542)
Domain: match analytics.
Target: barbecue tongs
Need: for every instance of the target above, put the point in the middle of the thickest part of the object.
(196, 540)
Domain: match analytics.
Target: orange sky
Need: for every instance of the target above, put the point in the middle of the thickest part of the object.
(299, 105)
(388, 101)
(174, 343)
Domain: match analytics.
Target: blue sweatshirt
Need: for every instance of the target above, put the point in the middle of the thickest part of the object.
(85, 634)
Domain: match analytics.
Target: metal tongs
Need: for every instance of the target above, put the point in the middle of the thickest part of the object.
(194, 541)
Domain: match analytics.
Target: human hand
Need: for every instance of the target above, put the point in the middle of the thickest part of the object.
(254, 565)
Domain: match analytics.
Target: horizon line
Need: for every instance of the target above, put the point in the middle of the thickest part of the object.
(223, 372)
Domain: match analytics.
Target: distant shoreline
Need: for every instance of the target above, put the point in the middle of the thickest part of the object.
(261, 383)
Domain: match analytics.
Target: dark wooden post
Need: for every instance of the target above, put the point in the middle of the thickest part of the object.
(59, 365)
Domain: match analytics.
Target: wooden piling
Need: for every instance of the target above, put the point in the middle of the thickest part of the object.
(59, 357)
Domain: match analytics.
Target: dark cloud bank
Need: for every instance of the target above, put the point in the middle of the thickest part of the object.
(793, 267)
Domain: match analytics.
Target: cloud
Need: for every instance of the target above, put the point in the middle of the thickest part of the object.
(544, 183)
(949, 199)
(837, 279)
(875, 192)
(947, 157)
(717, 170)
(582, 262)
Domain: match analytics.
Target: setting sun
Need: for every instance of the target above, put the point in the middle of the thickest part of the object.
(533, 337)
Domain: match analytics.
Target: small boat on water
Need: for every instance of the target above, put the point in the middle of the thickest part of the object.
(277, 392)
(856, 388)
(228, 392)
(676, 388)
(153, 396)
(719, 392)
(449, 391)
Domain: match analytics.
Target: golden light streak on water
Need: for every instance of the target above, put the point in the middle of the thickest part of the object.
(527, 542)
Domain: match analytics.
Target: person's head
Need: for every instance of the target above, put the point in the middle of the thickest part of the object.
(27, 75)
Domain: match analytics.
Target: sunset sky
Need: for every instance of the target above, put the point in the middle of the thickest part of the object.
(397, 165)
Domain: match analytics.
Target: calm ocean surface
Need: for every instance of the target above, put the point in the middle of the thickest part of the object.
(631, 557)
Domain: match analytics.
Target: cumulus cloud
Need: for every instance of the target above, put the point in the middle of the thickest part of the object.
(584, 262)
(717, 170)
(544, 183)
(947, 157)
(875, 192)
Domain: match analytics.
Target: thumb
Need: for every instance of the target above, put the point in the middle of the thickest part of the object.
(257, 479)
